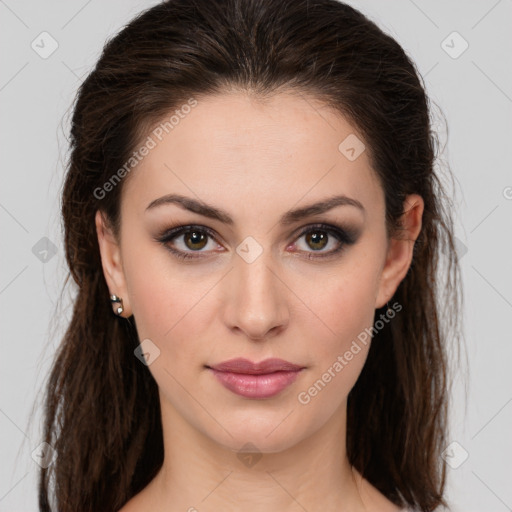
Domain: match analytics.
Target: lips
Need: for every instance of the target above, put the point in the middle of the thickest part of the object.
(256, 380)
(240, 365)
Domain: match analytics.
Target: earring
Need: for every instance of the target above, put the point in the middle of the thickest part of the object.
(118, 300)
(388, 308)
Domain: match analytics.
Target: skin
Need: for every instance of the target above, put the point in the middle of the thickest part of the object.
(255, 159)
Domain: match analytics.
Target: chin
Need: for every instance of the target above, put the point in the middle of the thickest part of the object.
(247, 442)
(271, 433)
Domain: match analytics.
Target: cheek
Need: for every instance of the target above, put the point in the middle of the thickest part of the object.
(170, 309)
(347, 305)
(346, 309)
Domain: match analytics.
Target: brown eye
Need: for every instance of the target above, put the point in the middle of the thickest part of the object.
(188, 242)
(198, 239)
(185, 241)
(317, 239)
(326, 240)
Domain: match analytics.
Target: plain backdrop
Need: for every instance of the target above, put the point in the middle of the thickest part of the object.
(463, 51)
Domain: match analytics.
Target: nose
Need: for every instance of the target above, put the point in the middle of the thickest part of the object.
(256, 299)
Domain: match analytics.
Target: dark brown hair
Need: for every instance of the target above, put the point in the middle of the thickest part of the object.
(102, 412)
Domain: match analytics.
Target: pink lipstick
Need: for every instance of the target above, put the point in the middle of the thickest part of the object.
(256, 380)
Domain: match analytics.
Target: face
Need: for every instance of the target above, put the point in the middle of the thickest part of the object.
(244, 268)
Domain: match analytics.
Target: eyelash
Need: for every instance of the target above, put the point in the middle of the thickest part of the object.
(344, 236)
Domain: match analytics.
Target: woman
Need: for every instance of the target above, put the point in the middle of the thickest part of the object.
(254, 225)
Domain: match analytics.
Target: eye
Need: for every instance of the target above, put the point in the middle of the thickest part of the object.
(190, 238)
(183, 241)
(320, 236)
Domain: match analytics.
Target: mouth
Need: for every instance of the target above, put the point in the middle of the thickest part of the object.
(256, 380)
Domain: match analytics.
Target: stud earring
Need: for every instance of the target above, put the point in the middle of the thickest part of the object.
(117, 300)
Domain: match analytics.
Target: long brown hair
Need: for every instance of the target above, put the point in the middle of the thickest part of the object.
(102, 412)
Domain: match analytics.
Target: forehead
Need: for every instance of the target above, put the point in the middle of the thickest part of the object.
(236, 150)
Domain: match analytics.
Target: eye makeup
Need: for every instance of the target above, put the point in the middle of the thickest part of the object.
(343, 236)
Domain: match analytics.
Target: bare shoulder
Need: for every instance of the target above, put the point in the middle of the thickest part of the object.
(131, 506)
(374, 500)
(141, 502)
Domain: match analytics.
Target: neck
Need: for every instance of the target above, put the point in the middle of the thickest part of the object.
(199, 474)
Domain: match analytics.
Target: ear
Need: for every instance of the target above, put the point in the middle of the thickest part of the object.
(111, 262)
(400, 251)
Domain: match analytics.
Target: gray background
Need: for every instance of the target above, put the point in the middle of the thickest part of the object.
(473, 89)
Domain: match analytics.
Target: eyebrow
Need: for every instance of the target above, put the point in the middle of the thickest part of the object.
(287, 218)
